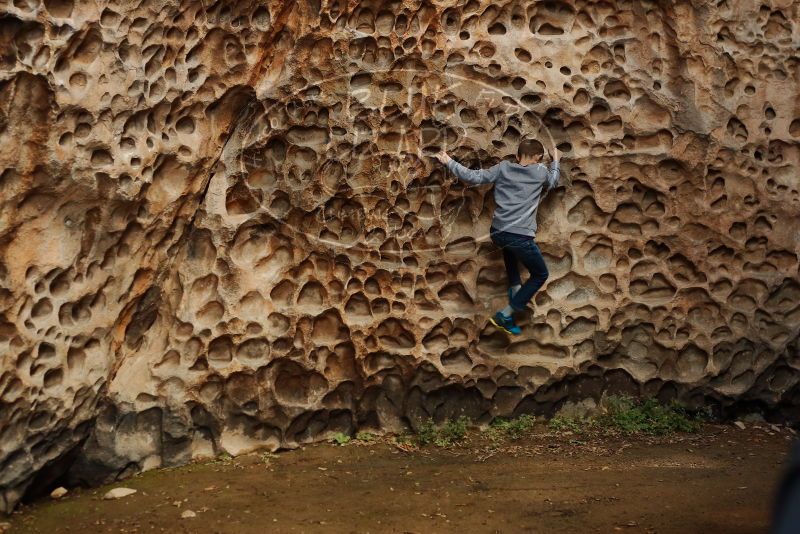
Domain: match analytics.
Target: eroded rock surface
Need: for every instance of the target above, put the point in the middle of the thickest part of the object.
(217, 234)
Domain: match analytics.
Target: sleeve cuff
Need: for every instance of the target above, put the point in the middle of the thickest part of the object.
(452, 166)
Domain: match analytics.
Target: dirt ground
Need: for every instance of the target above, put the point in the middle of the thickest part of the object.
(720, 480)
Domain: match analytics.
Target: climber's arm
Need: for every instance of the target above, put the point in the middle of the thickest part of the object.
(554, 173)
(472, 176)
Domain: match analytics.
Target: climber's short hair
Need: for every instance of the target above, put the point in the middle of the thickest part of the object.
(530, 148)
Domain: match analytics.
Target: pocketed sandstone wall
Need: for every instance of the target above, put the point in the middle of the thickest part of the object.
(217, 233)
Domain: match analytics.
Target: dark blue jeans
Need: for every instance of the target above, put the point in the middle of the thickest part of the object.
(521, 249)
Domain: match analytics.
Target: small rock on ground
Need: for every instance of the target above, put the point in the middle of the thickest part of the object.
(118, 493)
(187, 514)
(58, 492)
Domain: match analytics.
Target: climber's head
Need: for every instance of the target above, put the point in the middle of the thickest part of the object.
(530, 151)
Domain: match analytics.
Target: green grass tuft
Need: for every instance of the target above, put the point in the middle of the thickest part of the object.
(628, 415)
(450, 433)
(366, 437)
(562, 423)
(341, 439)
(512, 428)
(648, 416)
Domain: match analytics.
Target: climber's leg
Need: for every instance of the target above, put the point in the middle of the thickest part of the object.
(505, 240)
(531, 257)
(512, 273)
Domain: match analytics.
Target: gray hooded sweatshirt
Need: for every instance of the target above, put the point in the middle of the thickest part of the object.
(518, 189)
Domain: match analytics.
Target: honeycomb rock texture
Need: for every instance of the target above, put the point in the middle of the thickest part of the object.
(218, 233)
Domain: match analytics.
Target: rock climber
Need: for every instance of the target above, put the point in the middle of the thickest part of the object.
(518, 189)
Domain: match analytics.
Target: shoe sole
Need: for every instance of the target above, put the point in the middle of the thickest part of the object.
(501, 327)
